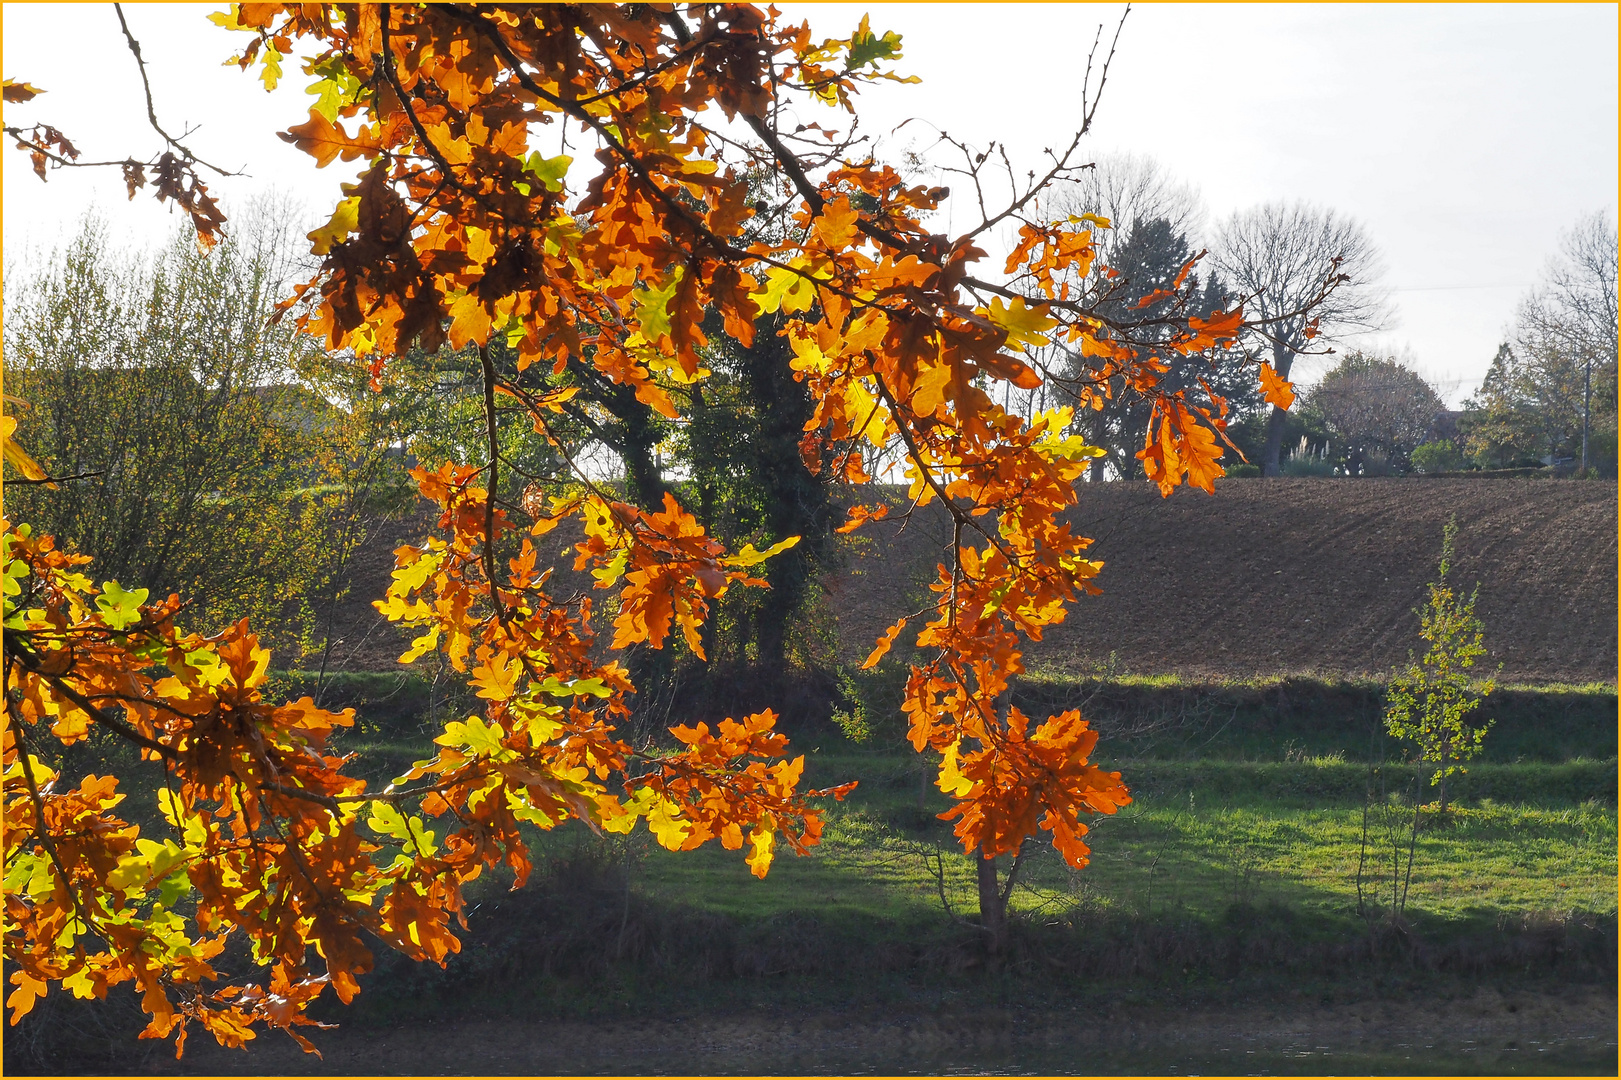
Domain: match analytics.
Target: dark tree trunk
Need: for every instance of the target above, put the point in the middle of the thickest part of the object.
(1282, 359)
(651, 670)
(992, 906)
(798, 500)
(704, 476)
(640, 436)
(993, 897)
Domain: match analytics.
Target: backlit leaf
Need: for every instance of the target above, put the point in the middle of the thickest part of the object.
(1276, 390)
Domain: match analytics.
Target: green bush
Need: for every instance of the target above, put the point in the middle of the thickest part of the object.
(1601, 453)
(1441, 455)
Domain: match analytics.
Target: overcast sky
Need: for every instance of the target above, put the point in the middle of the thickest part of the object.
(1465, 138)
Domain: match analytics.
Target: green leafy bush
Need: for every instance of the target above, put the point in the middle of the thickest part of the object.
(1440, 455)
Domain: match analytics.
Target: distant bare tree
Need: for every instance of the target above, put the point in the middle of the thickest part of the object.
(1577, 300)
(1279, 256)
(1155, 221)
(1129, 189)
(1568, 324)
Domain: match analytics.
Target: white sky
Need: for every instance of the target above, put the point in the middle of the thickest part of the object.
(1465, 138)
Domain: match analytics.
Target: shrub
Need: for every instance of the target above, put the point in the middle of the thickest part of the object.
(1440, 455)
(1307, 466)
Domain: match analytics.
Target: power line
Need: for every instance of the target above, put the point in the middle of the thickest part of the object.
(1449, 288)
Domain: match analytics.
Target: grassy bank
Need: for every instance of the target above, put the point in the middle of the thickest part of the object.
(1151, 718)
(1246, 795)
(1187, 900)
(1304, 716)
(1206, 883)
(1248, 867)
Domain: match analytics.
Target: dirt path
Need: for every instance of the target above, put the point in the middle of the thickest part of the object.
(1488, 1032)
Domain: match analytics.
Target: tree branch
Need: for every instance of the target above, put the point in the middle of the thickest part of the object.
(151, 109)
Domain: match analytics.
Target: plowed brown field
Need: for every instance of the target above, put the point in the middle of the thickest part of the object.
(1265, 577)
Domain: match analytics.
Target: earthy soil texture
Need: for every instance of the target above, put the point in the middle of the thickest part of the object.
(1266, 577)
(360, 638)
(1284, 576)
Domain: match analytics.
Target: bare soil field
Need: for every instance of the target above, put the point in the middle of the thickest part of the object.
(1289, 576)
(1266, 577)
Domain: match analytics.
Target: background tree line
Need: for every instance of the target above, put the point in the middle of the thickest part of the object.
(1550, 395)
(224, 458)
(207, 453)
(1370, 412)
(1551, 385)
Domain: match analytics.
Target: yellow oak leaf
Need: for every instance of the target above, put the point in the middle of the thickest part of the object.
(762, 840)
(1025, 326)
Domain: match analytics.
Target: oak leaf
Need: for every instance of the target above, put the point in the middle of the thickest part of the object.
(326, 141)
(1275, 389)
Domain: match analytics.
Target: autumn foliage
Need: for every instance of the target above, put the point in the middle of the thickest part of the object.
(463, 231)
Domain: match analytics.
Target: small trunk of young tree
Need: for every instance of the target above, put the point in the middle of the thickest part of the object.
(1362, 853)
(993, 897)
(1412, 850)
(1443, 783)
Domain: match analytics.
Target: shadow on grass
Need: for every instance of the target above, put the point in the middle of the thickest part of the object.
(576, 946)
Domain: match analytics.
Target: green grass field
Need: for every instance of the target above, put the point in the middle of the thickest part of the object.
(1221, 879)
(1200, 839)
(1234, 874)
(1251, 794)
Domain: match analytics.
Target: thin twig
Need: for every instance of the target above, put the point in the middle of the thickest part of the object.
(151, 109)
(57, 479)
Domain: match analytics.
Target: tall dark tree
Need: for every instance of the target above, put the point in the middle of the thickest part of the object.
(745, 429)
(1149, 258)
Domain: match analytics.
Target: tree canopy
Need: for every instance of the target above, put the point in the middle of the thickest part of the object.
(1375, 411)
(1307, 271)
(472, 226)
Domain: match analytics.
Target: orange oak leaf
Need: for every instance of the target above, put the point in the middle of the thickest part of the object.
(1276, 390)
